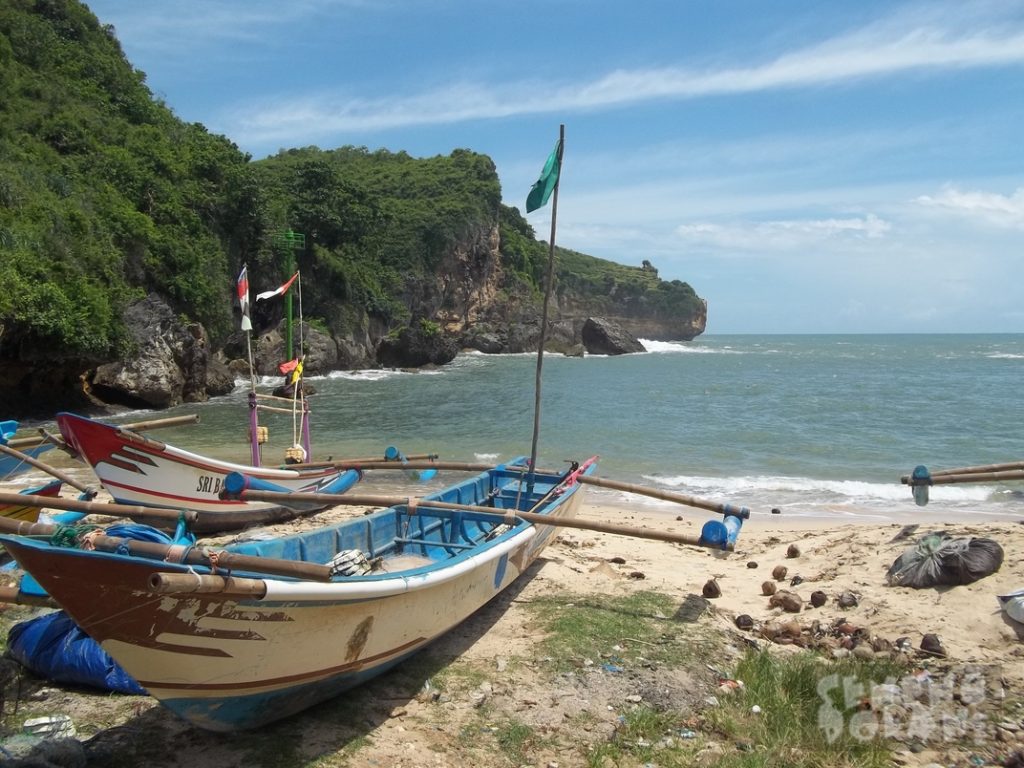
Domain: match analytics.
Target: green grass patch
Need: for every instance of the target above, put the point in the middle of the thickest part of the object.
(627, 627)
(800, 698)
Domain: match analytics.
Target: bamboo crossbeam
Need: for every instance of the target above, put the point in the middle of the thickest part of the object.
(360, 463)
(655, 493)
(678, 498)
(275, 409)
(138, 426)
(262, 396)
(206, 584)
(62, 476)
(977, 470)
(93, 507)
(529, 517)
(189, 555)
(952, 479)
(16, 596)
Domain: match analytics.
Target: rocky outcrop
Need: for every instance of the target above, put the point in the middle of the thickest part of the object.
(604, 337)
(167, 366)
(416, 346)
(472, 302)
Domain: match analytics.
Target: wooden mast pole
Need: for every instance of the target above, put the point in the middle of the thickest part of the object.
(544, 312)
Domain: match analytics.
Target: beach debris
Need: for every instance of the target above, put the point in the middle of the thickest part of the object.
(752, 564)
(711, 589)
(818, 598)
(930, 643)
(779, 572)
(53, 726)
(728, 685)
(796, 580)
(790, 602)
(768, 587)
(847, 599)
(744, 621)
(776, 511)
(617, 560)
(1013, 605)
(638, 575)
(793, 551)
(937, 559)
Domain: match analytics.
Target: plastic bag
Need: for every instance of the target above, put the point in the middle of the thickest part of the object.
(940, 560)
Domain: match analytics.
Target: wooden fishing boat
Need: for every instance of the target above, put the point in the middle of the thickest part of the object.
(139, 470)
(301, 618)
(30, 512)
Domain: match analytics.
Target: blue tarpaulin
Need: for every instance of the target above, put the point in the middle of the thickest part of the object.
(52, 646)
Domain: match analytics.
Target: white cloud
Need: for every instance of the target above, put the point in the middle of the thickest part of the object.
(899, 45)
(783, 235)
(987, 207)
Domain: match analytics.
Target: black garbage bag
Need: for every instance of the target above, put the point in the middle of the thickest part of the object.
(940, 560)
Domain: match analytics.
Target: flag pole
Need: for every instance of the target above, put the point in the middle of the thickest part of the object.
(544, 312)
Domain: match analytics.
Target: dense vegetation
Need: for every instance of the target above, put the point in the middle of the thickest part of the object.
(603, 284)
(106, 196)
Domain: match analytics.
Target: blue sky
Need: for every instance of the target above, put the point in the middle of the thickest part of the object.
(807, 167)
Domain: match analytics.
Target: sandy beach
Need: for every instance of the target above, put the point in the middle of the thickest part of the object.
(837, 558)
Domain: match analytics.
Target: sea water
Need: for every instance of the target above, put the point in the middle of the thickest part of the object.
(814, 426)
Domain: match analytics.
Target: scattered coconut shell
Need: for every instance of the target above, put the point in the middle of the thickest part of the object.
(743, 621)
(617, 560)
(752, 564)
(768, 587)
(638, 575)
(796, 580)
(779, 572)
(793, 551)
(776, 511)
(863, 652)
(847, 600)
(788, 601)
(792, 628)
(931, 644)
(711, 589)
(818, 598)
(881, 645)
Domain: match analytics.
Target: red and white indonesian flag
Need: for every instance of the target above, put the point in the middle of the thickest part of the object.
(278, 291)
(243, 298)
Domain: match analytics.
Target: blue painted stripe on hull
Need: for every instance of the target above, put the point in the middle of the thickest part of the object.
(239, 713)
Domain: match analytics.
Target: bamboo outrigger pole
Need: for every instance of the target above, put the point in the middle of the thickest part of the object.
(502, 514)
(138, 426)
(64, 477)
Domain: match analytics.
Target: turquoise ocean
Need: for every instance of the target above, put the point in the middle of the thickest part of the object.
(815, 426)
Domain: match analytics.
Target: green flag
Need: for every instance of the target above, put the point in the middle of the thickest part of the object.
(541, 191)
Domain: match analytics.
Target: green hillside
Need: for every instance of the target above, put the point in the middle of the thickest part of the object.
(106, 196)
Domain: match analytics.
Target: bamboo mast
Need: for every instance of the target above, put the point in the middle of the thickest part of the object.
(544, 312)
